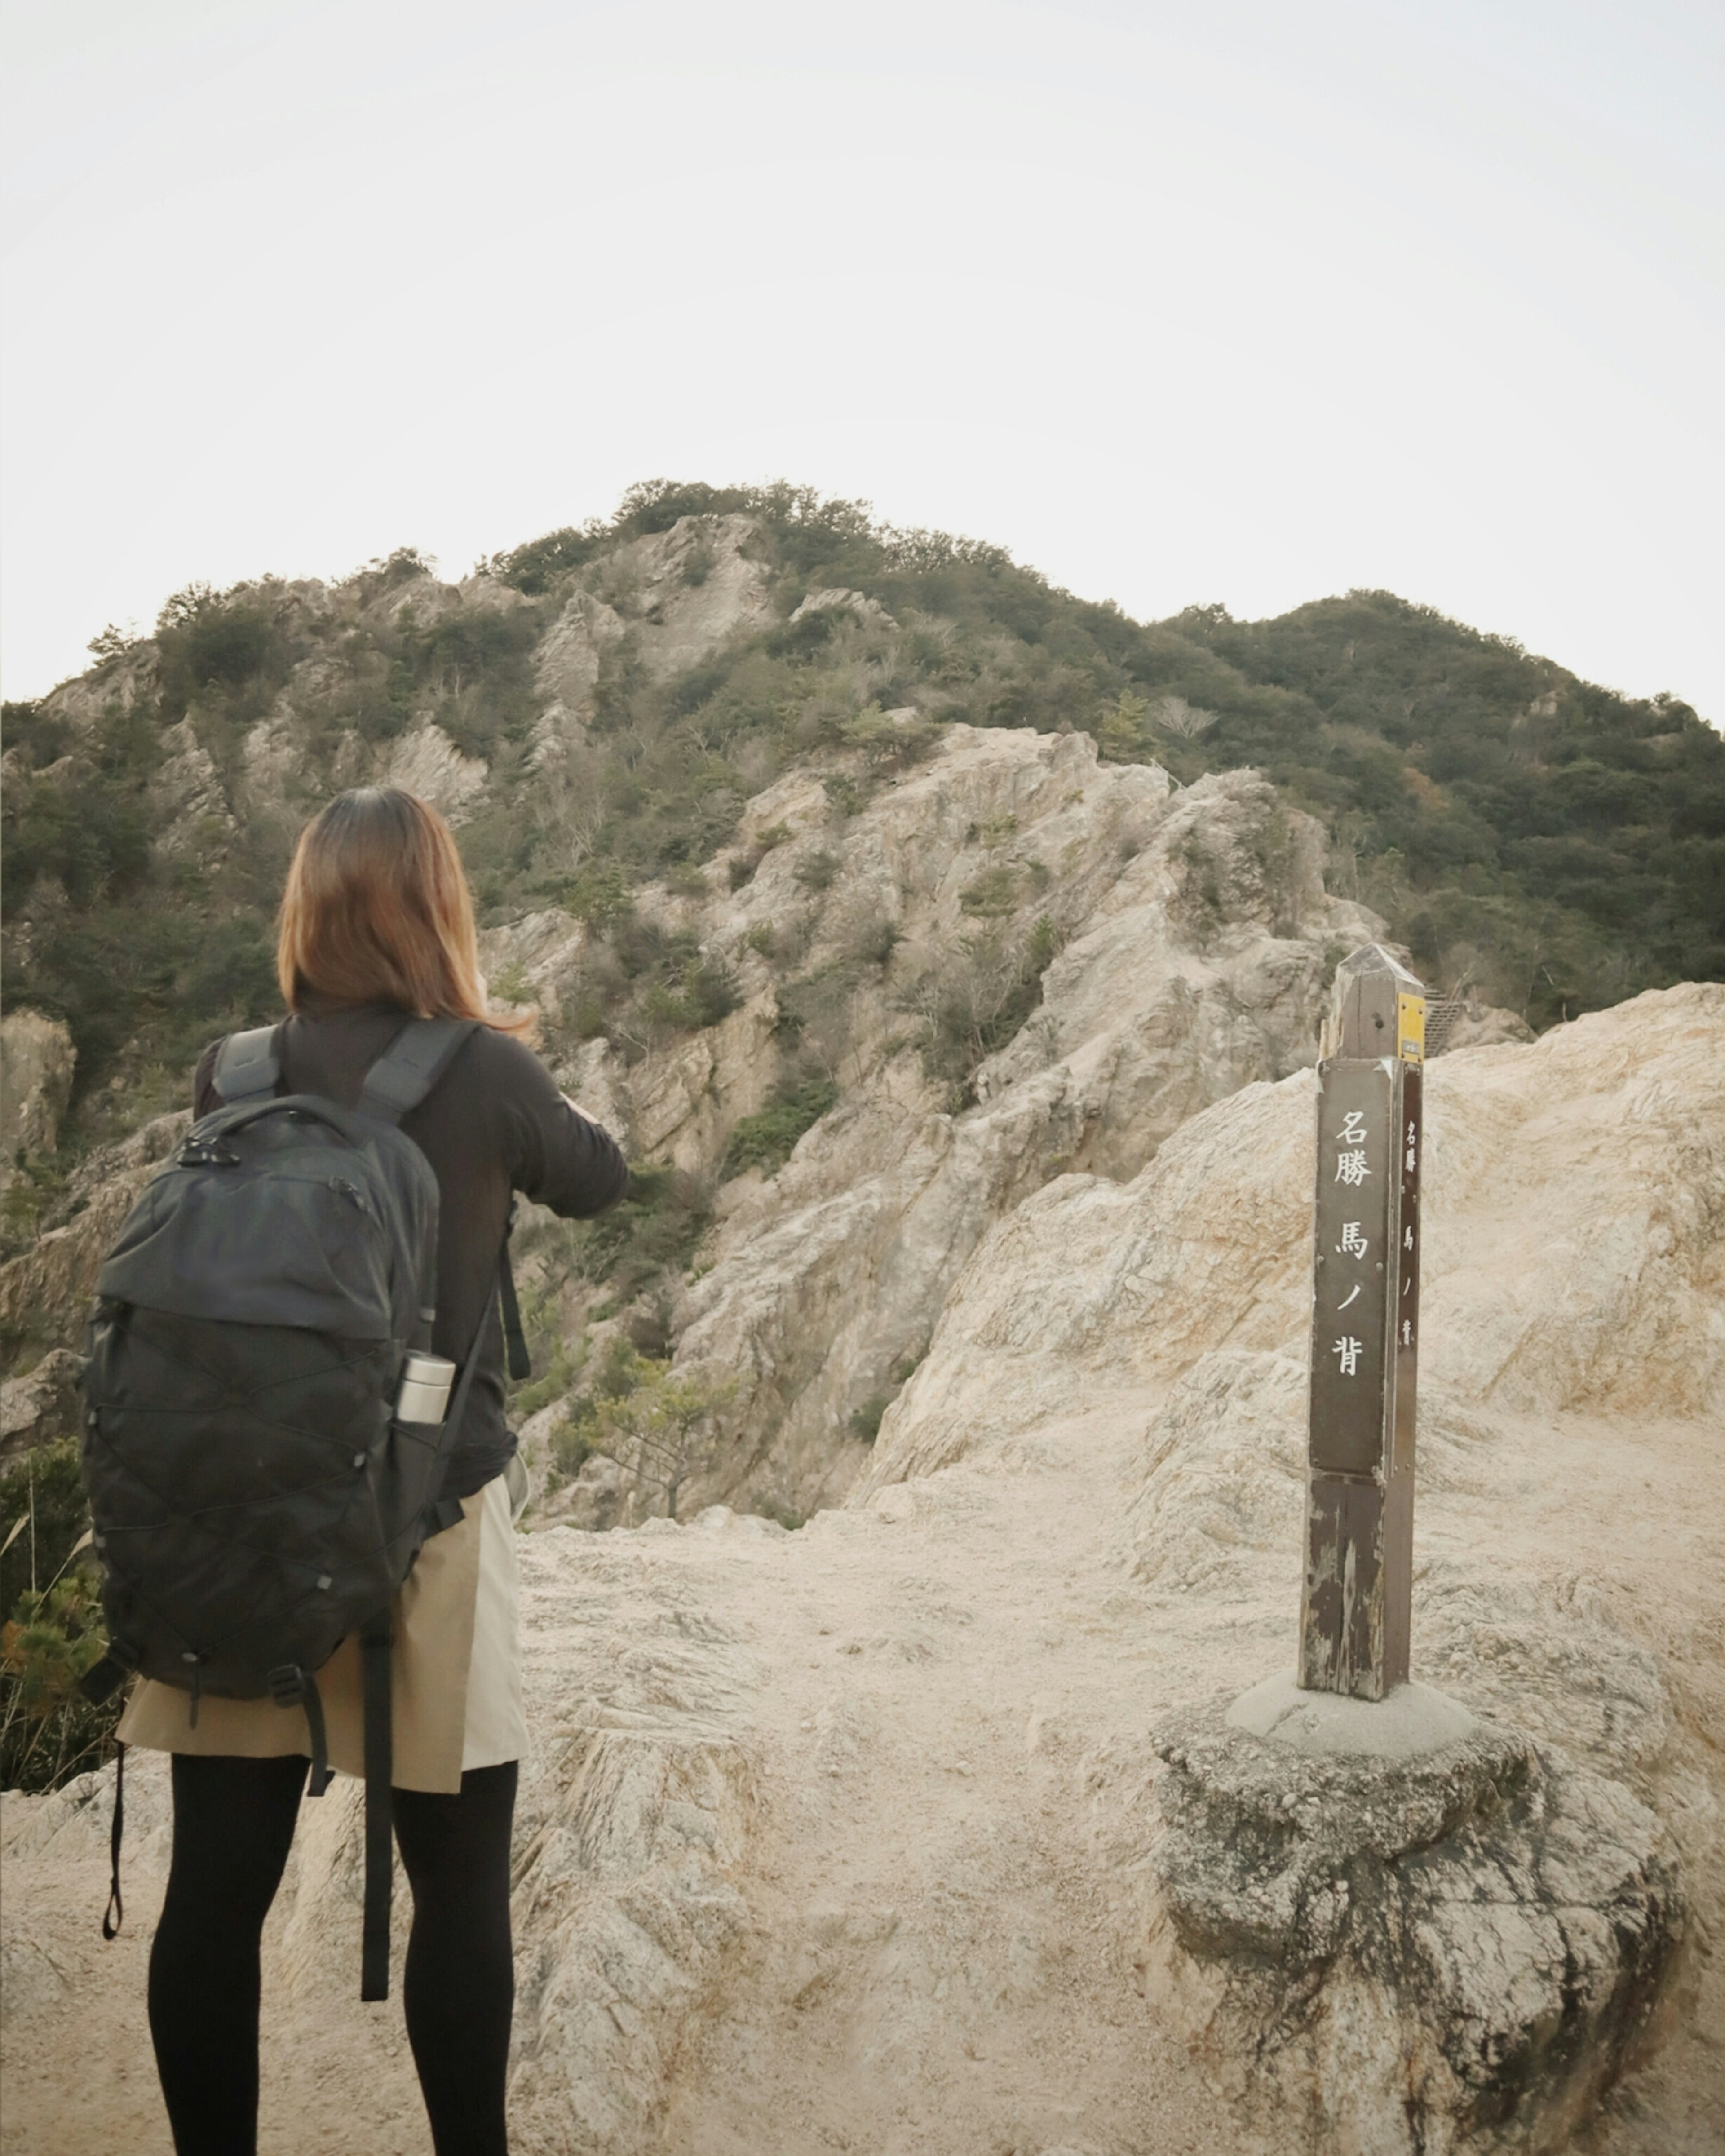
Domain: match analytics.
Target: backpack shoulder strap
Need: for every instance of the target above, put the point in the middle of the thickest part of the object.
(248, 1064)
(411, 1064)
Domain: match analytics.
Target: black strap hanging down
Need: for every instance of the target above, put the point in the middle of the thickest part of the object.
(114, 1915)
(374, 1645)
(521, 1362)
(290, 1686)
(320, 1773)
(446, 1512)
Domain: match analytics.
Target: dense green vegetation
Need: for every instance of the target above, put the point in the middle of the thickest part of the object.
(767, 1140)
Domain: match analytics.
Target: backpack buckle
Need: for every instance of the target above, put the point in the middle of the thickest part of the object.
(287, 1684)
(206, 1153)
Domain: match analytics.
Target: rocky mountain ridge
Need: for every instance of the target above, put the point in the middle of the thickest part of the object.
(957, 1004)
(944, 962)
(596, 708)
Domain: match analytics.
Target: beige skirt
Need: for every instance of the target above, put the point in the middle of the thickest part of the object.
(455, 1672)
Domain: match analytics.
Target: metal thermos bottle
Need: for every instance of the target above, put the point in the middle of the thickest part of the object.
(425, 1382)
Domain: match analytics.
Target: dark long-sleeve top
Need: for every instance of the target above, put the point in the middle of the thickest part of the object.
(495, 1123)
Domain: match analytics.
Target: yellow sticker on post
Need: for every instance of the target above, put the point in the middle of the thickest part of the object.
(1410, 1029)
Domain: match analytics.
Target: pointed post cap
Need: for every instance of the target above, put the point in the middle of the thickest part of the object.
(1367, 1006)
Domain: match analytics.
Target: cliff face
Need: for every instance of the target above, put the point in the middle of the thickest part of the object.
(1195, 940)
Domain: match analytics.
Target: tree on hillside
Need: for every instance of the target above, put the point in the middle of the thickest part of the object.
(661, 1431)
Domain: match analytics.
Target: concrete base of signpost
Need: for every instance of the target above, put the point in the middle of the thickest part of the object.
(1395, 1927)
(1413, 1720)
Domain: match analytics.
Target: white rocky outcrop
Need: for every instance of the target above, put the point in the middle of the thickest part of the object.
(690, 588)
(37, 1060)
(39, 1405)
(1198, 940)
(188, 804)
(836, 598)
(45, 1292)
(675, 595)
(1542, 1306)
(567, 662)
(527, 961)
(427, 763)
(116, 683)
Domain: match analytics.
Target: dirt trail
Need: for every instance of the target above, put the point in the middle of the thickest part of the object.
(941, 1705)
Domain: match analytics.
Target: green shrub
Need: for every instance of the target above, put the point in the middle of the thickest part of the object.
(43, 1517)
(767, 1140)
(650, 1234)
(39, 737)
(992, 894)
(48, 1731)
(599, 894)
(850, 796)
(655, 505)
(536, 566)
(866, 1420)
(34, 1187)
(887, 743)
(87, 828)
(818, 871)
(1122, 733)
(874, 943)
(766, 1507)
(978, 996)
(212, 646)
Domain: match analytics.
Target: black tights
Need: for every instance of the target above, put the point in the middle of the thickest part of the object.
(234, 1822)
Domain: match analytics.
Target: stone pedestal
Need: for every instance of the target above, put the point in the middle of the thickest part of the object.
(1395, 1927)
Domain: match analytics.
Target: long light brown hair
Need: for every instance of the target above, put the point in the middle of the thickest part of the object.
(376, 910)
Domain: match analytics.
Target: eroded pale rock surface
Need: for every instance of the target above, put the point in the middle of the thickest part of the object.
(41, 1404)
(1536, 1296)
(1456, 1950)
(855, 1830)
(673, 596)
(1191, 941)
(45, 1292)
(36, 1064)
(427, 763)
(1198, 938)
(186, 801)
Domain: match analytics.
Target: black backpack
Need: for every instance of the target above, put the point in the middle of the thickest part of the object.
(254, 1498)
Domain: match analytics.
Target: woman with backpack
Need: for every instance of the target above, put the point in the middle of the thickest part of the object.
(376, 928)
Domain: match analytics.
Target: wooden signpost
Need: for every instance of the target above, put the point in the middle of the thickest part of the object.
(1355, 1605)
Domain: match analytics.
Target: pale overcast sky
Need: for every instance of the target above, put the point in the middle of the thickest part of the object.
(1223, 301)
